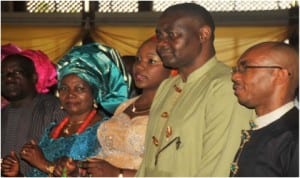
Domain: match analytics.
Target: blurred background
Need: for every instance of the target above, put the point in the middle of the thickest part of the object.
(55, 26)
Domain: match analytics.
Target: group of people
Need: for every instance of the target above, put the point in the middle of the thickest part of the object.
(206, 120)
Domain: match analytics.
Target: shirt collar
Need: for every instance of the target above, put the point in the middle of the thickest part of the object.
(267, 119)
(196, 74)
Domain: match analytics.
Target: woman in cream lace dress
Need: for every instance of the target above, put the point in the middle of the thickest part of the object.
(122, 136)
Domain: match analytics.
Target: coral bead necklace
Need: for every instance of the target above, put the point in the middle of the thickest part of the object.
(57, 130)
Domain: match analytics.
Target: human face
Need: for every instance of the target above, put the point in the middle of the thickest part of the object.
(148, 69)
(178, 40)
(16, 82)
(254, 80)
(75, 95)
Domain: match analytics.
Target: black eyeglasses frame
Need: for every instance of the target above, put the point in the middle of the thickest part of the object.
(243, 68)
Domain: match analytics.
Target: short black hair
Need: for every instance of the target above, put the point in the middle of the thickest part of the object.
(194, 10)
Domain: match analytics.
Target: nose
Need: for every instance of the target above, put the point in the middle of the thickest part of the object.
(162, 42)
(235, 75)
(140, 65)
(72, 92)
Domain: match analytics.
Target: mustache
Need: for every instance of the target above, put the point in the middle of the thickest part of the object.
(236, 84)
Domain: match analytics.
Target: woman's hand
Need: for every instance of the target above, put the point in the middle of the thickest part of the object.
(10, 165)
(65, 166)
(100, 168)
(33, 154)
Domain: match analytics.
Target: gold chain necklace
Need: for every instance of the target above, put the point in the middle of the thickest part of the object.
(134, 110)
(69, 126)
(56, 132)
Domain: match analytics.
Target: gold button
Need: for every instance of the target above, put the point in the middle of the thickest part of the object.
(168, 131)
(177, 89)
(155, 140)
(165, 115)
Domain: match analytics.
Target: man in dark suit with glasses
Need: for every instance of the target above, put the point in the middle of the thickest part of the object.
(265, 79)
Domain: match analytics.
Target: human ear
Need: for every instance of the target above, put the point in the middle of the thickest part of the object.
(283, 75)
(34, 78)
(204, 33)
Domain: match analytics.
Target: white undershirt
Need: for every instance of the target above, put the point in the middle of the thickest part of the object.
(267, 119)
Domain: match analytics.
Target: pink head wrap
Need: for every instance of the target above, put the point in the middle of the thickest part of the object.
(8, 49)
(46, 71)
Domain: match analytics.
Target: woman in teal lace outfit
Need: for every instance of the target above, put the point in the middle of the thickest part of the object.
(90, 87)
(77, 147)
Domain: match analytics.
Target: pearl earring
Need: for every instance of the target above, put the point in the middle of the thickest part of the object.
(57, 93)
(95, 105)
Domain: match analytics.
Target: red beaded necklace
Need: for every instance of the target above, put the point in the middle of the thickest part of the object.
(61, 125)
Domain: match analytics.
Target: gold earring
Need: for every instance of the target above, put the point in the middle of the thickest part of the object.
(95, 105)
(61, 107)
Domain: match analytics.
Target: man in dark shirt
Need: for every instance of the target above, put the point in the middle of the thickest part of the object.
(266, 78)
(24, 79)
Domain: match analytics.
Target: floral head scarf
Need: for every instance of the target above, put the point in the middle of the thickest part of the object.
(91, 64)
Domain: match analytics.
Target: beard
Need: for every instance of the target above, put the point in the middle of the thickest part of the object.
(13, 96)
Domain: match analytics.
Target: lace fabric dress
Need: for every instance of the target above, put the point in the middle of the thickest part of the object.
(122, 138)
(76, 146)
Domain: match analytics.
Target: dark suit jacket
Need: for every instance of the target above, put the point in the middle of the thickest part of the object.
(272, 150)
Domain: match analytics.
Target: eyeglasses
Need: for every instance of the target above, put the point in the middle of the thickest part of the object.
(243, 68)
(178, 142)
